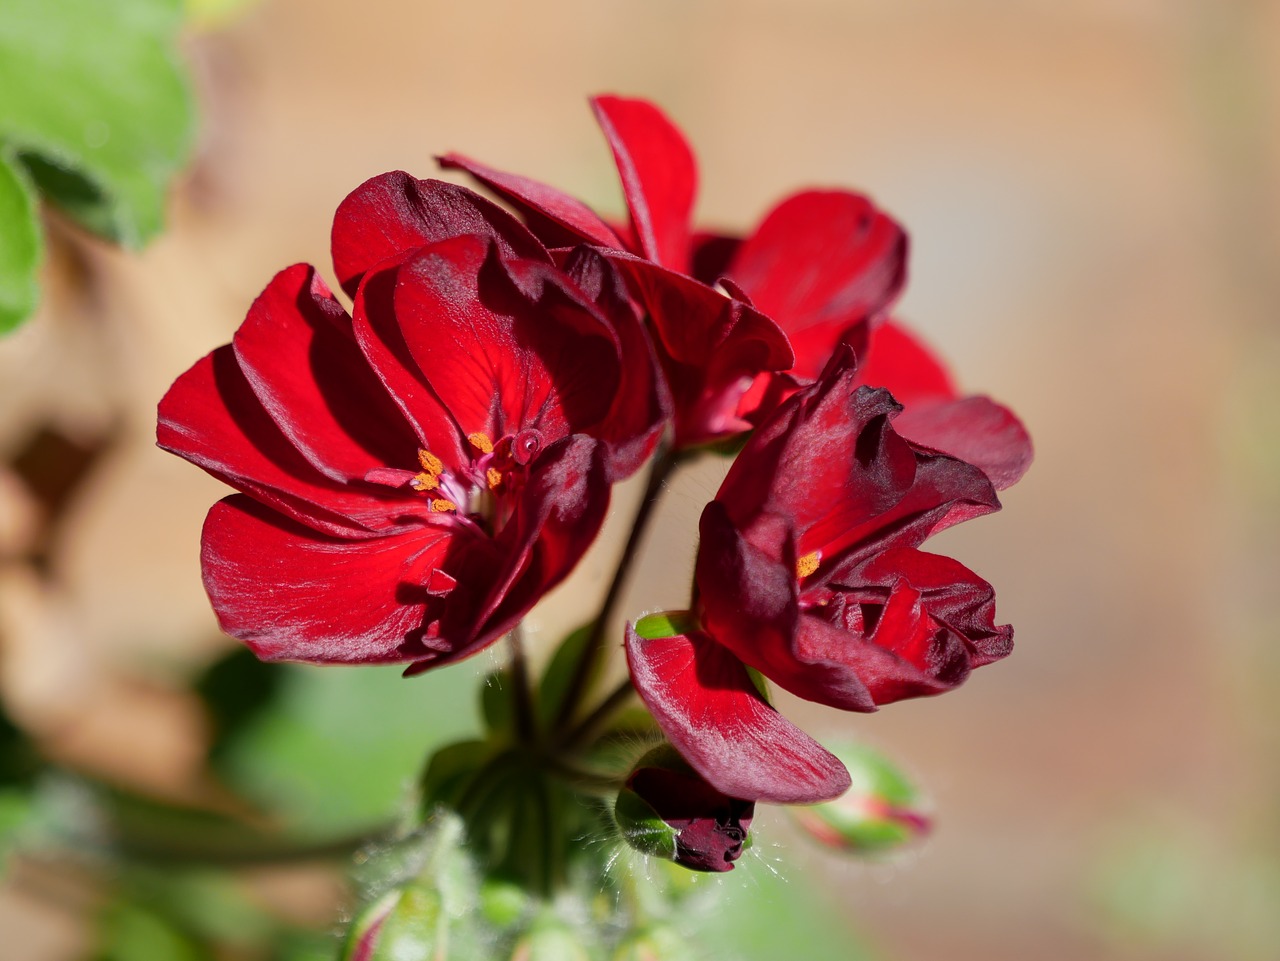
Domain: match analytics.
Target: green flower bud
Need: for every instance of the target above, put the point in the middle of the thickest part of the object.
(879, 813)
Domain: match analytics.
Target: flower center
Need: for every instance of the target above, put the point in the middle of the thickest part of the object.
(807, 564)
(474, 491)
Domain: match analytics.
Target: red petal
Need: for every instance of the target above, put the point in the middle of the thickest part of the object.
(211, 417)
(898, 361)
(974, 429)
(293, 594)
(643, 402)
(820, 263)
(505, 351)
(576, 222)
(297, 351)
(704, 701)
(658, 172)
(392, 214)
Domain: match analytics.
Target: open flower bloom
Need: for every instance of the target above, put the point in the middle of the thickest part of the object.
(822, 268)
(809, 572)
(413, 477)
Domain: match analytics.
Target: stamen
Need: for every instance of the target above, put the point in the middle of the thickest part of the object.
(425, 482)
(430, 462)
(442, 505)
(808, 564)
(494, 477)
(480, 442)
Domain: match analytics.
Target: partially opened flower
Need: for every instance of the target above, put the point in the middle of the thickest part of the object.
(809, 572)
(823, 267)
(415, 477)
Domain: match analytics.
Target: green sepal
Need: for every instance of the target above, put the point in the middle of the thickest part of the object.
(642, 828)
(666, 624)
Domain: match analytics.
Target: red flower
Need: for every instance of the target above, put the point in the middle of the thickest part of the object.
(824, 266)
(414, 478)
(809, 571)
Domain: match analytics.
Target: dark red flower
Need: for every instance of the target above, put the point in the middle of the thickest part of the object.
(414, 478)
(809, 571)
(823, 266)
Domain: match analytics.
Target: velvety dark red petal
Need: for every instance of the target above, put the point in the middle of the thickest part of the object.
(211, 417)
(558, 516)
(505, 351)
(712, 254)
(394, 213)
(643, 404)
(820, 263)
(706, 704)
(293, 594)
(828, 460)
(658, 172)
(540, 203)
(299, 355)
(973, 429)
(954, 597)
(898, 361)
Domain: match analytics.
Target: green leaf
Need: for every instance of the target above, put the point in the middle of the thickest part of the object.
(338, 746)
(97, 106)
(130, 932)
(20, 246)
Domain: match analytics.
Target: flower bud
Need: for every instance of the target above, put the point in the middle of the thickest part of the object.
(879, 812)
(667, 810)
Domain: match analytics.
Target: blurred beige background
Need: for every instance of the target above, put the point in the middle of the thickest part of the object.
(1093, 193)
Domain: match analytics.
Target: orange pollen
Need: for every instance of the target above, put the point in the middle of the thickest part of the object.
(481, 443)
(425, 482)
(808, 564)
(430, 462)
(442, 505)
(494, 477)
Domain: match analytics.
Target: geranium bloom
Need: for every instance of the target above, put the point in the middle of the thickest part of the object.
(824, 267)
(414, 477)
(809, 571)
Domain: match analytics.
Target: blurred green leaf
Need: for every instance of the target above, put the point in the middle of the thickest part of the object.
(216, 12)
(97, 106)
(15, 811)
(762, 917)
(20, 249)
(338, 747)
(237, 689)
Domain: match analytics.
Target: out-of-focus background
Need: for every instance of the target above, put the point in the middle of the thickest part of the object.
(1093, 195)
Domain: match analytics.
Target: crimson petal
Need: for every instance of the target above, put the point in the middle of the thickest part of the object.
(706, 704)
(293, 594)
(973, 429)
(558, 219)
(298, 353)
(658, 172)
(820, 263)
(211, 417)
(394, 213)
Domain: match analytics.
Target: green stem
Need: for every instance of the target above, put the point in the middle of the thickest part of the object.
(663, 464)
(526, 722)
(604, 710)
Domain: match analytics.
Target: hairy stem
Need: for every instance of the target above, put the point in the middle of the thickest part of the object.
(617, 698)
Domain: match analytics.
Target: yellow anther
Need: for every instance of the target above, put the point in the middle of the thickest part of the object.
(481, 443)
(494, 477)
(425, 482)
(430, 462)
(443, 506)
(808, 564)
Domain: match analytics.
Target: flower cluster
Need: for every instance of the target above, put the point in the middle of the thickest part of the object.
(415, 473)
